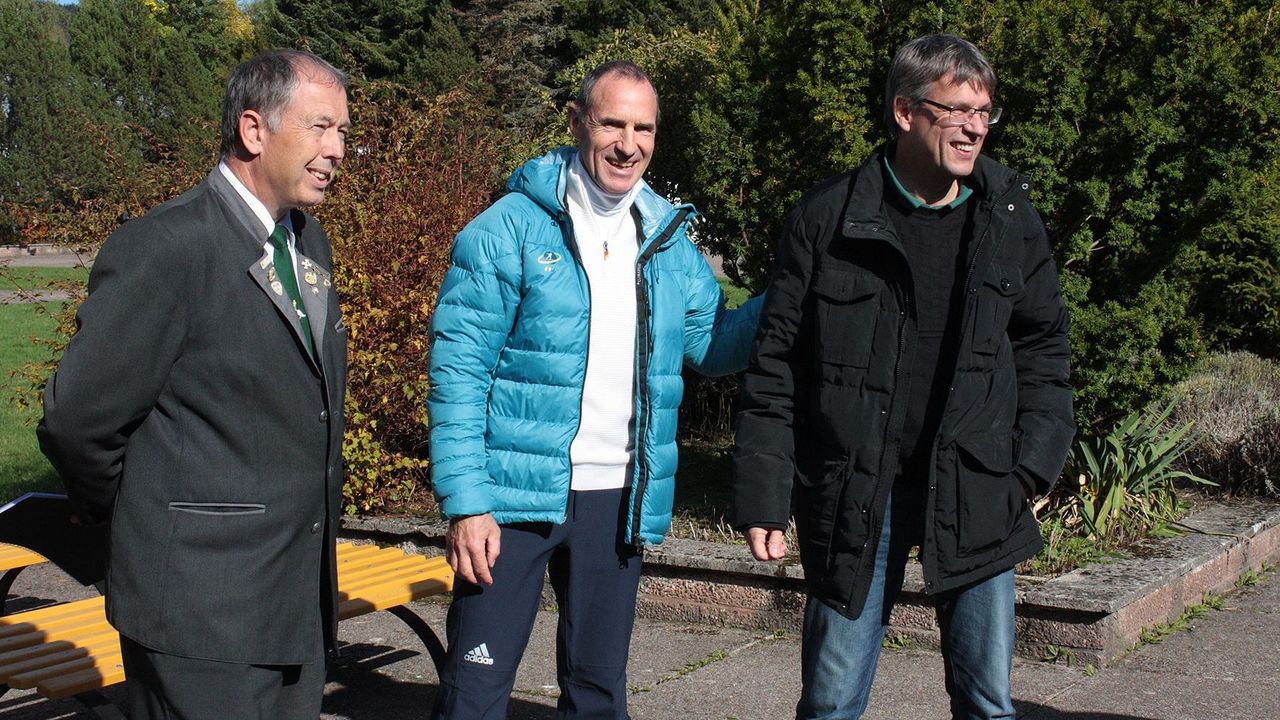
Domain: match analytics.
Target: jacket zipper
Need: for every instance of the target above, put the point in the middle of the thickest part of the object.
(643, 342)
(566, 227)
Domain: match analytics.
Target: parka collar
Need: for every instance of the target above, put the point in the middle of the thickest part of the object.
(544, 180)
(865, 213)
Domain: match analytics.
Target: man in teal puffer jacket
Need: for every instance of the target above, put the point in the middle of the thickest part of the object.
(558, 339)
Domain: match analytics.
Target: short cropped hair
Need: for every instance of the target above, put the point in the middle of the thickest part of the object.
(621, 68)
(266, 83)
(921, 62)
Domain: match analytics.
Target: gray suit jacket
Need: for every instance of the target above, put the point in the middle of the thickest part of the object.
(188, 412)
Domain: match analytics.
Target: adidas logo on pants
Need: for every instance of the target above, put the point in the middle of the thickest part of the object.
(479, 655)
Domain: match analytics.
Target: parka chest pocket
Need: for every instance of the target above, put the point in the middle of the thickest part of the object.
(1001, 287)
(848, 305)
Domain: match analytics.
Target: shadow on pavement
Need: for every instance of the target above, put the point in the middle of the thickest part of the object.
(369, 695)
(1035, 711)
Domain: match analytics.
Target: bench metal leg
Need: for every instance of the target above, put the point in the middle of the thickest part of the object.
(428, 636)
(6, 582)
(100, 706)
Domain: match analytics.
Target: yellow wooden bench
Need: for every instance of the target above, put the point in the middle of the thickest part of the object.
(69, 650)
(13, 560)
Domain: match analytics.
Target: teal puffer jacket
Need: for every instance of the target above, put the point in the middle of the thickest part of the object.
(509, 353)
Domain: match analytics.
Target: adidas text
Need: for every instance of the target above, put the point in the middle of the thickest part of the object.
(479, 655)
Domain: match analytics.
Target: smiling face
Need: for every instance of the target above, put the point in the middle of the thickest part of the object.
(616, 133)
(298, 155)
(928, 150)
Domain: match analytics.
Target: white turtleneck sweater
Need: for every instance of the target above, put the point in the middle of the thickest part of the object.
(605, 444)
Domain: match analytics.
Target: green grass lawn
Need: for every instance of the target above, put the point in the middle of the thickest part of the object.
(22, 467)
(34, 278)
(733, 295)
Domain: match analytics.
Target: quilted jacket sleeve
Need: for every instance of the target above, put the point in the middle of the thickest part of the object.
(474, 315)
(717, 341)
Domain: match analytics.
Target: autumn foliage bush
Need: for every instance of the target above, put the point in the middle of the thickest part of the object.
(417, 170)
(82, 225)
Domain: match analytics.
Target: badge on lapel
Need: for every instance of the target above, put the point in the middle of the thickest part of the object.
(313, 276)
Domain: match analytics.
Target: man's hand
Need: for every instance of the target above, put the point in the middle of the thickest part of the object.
(766, 543)
(473, 545)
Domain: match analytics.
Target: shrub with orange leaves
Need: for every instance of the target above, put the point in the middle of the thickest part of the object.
(417, 170)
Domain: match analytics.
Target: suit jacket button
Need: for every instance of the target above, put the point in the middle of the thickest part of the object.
(315, 529)
(324, 416)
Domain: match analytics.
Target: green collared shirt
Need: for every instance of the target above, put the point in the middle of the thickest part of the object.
(965, 191)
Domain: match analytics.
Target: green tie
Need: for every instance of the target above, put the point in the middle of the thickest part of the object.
(283, 262)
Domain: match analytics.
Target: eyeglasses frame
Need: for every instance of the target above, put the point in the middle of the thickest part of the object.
(970, 114)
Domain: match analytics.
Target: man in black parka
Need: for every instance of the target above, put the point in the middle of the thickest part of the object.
(909, 387)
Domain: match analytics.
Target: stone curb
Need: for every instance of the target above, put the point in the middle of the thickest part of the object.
(1095, 613)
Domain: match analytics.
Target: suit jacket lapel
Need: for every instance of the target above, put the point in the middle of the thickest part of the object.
(313, 284)
(262, 270)
(263, 273)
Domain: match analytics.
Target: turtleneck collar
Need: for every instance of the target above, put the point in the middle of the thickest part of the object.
(601, 203)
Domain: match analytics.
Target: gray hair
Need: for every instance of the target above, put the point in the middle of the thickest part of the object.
(266, 83)
(925, 60)
(621, 68)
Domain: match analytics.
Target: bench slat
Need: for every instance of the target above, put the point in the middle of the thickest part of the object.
(395, 582)
(37, 644)
(59, 655)
(52, 611)
(80, 682)
(358, 577)
(34, 678)
(69, 629)
(14, 556)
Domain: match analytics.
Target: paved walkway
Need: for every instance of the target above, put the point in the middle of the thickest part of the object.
(1225, 666)
(9, 297)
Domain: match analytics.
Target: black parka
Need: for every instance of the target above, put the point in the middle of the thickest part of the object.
(825, 396)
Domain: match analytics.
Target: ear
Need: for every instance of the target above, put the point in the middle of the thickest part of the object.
(577, 124)
(253, 130)
(903, 112)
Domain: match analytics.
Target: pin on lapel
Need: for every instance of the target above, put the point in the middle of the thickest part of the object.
(326, 281)
(265, 261)
(305, 263)
(310, 277)
(277, 288)
(271, 274)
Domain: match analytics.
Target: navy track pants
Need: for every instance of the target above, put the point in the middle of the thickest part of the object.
(594, 577)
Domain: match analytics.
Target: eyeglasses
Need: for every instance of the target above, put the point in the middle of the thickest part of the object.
(957, 116)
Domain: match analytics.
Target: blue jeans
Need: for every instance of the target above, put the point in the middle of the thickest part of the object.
(839, 655)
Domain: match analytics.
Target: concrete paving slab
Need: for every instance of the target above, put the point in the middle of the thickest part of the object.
(1162, 696)
(1236, 643)
(760, 679)
(381, 652)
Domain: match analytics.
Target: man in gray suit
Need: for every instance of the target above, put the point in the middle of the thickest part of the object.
(198, 411)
